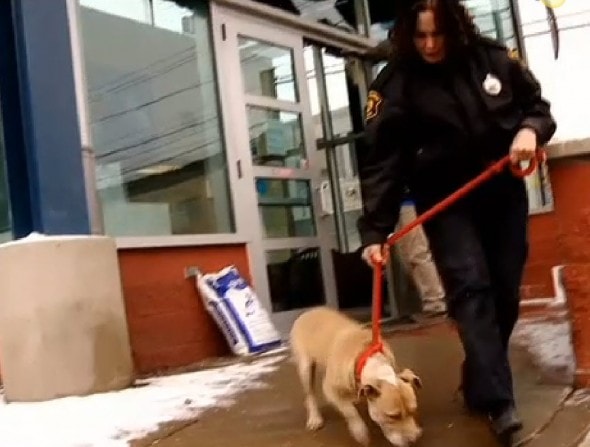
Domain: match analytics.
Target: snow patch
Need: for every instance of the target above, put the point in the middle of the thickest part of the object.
(39, 237)
(549, 343)
(578, 398)
(114, 419)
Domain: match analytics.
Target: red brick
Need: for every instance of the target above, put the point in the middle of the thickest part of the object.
(535, 291)
(577, 284)
(562, 236)
(168, 324)
(544, 312)
(544, 250)
(542, 225)
(176, 356)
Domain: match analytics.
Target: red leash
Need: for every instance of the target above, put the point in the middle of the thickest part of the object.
(494, 169)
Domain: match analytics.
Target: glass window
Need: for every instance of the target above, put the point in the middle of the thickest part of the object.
(345, 121)
(155, 121)
(276, 138)
(285, 208)
(138, 10)
(168, 15)
(337, 85)
(267, 70)
(494, 19)
(295, 278)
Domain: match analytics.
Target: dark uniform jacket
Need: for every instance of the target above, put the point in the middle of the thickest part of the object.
(433, 127)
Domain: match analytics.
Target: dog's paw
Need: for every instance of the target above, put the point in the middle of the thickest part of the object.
(359, 431)
(314, 422)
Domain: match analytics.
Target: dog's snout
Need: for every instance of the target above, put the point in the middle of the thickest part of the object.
(403, 438)
(415, 435)
(396, 439)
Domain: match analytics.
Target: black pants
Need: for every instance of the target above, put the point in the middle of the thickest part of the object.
(480, 248)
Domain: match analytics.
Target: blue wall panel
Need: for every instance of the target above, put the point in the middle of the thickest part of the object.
(16, 163)
(49, 123)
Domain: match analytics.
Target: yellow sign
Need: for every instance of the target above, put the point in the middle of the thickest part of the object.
(553, 3)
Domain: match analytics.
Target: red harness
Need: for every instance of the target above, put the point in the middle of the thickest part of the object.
(496, 168)
(374, 348)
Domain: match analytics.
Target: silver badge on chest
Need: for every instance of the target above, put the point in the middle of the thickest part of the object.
(492, 85)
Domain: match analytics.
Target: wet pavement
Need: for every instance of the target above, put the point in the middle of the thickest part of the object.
(275, 417)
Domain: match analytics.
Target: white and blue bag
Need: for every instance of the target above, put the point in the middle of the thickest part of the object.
(238, 313)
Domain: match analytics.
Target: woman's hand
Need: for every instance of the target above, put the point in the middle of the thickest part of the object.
(372, 254)
(524, 145)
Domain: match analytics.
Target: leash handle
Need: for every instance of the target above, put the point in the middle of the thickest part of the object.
(534, 163)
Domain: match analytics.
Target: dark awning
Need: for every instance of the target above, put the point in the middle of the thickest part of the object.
(380, 10)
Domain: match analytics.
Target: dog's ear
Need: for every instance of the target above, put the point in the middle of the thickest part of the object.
(408, 376)
(369, 391)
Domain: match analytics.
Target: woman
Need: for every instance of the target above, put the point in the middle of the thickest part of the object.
(448, 103)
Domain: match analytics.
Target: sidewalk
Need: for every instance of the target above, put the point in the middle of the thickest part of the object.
(274, 416)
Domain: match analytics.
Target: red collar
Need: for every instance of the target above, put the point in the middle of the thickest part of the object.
(375, 348)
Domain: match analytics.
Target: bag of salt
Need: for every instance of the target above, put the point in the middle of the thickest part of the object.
(236, 309)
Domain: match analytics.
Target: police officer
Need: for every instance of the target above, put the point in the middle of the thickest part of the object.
(448, 103)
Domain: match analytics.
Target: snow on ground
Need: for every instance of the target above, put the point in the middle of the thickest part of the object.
(114, 419)
(550, 345)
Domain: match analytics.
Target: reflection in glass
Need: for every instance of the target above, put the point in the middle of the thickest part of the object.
(267, 70)
(494, 19)
(340, 104)
(338, 98)
(285, 208)
(276, 138)
(295, 278)
(168, 15)
(155, 122)
(138, 10)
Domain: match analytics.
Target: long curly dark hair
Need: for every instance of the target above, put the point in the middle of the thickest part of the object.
(452, 18)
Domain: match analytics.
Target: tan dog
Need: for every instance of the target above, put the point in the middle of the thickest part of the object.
(325, 338)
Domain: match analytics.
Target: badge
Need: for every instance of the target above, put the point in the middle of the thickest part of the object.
(492, 85)
(374, 101)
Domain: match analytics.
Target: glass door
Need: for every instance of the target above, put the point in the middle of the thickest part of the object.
(265, 88)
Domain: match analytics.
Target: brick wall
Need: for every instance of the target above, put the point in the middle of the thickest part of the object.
(168, 324)
(562, 236)
(544, 253)
(576, 281)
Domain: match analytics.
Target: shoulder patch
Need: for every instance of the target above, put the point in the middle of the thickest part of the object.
(374, 102)
(513, 54)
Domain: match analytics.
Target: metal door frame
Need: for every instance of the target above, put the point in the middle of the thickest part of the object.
(227, 26)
